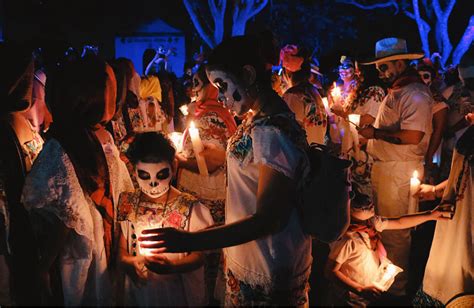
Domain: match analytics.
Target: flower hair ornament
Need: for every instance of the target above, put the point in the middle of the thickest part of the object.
(289, 58)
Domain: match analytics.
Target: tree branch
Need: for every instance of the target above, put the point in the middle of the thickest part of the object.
(423, 27)
(243, 11)
(218, 14)
(372, 6)
(465, 42)
(198, 25)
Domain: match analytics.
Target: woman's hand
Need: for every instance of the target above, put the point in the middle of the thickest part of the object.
(426, 192)
(159, 264)
(214, 155)
(138, 271)
(165, 239)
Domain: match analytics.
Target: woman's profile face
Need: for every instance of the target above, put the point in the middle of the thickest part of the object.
(346, 73)
(231, 93)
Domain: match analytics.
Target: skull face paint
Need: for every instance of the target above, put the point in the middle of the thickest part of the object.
(231, 94)
(198, 89)
(153, 178)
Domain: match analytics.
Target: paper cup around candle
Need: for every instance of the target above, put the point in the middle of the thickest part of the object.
(354, 119)
(184, 110)
(386, 275)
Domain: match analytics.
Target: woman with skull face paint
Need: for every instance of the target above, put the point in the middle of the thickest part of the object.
(163, 279)
(268, 257)
(216, 125)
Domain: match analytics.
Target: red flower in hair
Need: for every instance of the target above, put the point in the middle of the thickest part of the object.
(289, 59)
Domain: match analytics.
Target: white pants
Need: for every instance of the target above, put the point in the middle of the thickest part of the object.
(391, 186)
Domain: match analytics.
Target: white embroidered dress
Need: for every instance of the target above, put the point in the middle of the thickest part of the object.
(281, 261)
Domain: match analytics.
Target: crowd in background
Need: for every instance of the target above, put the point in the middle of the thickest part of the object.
(94, 152)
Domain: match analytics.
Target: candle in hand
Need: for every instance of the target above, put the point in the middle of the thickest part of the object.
(177, 139)
(386, 276)
(336, 93)
(326, 105)
(354, 120)
(413, 200)
(198, 147)
(184, 110)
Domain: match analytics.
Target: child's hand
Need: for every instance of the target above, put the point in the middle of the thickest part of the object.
(442, 212)
(159, 264)
(370, 292)
(141, 272)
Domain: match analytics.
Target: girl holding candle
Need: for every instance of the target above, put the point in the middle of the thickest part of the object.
(163, 279)
(268, 257)
(358, 96)
(356, 259)
(215, 125)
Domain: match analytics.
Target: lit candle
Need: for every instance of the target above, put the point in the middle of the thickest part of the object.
(177, 139)
(354, 120)
(198, 147)
(336, 93)
(139, 229)
(412, 200)
(184, 110)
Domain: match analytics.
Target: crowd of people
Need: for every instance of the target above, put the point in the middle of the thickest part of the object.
(149, 190)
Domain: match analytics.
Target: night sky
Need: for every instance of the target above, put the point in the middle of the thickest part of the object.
(58, 24)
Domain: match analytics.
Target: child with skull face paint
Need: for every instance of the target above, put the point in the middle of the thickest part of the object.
(163, 279)
(268, 259)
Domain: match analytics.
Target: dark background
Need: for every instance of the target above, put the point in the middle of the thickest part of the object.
(336, 28)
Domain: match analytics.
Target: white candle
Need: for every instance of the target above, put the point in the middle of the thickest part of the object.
(198, 147)
(146, 251)
(336, 93)
(354, 120)
(184, 110)
(177, 139)
(412, 200)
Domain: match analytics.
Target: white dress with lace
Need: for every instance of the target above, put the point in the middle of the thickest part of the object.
(51, 190)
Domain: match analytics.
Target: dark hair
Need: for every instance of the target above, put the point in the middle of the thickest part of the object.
(360, 201)
(201, 73)
(151, 147)
(234, 53)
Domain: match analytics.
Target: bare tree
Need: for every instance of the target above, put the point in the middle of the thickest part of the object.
(243, 10)
(436, 15)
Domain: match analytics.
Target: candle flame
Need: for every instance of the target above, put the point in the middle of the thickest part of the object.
(191, 125)
(184, 110)
(336, 91)
(415, 174)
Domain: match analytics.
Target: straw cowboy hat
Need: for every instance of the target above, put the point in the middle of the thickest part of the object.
(392, 48)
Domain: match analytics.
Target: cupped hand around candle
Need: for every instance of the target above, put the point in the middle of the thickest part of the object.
(426, 192)
(159, 264)
(164, 239)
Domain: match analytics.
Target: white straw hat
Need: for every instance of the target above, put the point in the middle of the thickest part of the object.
(390, 49)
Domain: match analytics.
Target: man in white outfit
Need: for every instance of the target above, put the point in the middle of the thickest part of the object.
(398, 141)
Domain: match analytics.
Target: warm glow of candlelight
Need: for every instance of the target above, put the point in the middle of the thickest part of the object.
(184, 110)
(198, 147)
(177, 139)
(354, 119)
(192, 125)
(386, 276)
(336, 91)
(415, 174)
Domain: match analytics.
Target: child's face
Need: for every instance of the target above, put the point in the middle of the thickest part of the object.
(154, 178)
(363, 214)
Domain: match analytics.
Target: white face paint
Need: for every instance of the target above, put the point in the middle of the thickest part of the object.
(231, 94)
(198, 89)
(153, 178)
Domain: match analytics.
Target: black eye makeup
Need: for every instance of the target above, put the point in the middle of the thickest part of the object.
(142, 174)
(382, 68)
(163, 174)
(221, 85)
